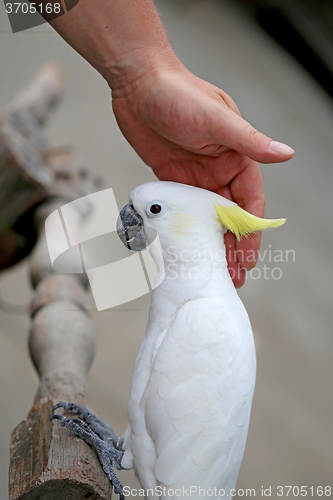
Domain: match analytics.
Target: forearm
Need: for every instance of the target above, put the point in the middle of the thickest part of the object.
(122, 39)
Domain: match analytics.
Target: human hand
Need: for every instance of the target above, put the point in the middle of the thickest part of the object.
(189, 131)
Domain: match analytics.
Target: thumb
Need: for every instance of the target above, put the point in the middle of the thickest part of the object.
(236, 133)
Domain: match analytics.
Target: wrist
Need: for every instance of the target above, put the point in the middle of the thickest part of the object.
(126, 73)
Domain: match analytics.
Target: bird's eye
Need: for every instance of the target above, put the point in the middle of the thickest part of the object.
(155, 209)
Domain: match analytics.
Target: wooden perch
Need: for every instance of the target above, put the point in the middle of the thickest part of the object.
(47, 461)
(24, 173)
(37, 99)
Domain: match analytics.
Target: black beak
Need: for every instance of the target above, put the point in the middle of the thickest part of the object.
(130, 229)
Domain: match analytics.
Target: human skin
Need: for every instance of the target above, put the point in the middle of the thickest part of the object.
(184, 128)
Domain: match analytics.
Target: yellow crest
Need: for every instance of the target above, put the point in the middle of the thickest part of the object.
(242, 223)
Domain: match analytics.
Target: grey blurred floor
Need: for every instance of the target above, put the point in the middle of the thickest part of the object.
(291, 437)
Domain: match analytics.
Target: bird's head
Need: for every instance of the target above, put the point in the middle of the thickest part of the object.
(183, 217)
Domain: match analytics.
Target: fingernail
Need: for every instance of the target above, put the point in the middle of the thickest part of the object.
(279, 147)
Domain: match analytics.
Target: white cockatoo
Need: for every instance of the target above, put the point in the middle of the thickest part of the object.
(194, 375)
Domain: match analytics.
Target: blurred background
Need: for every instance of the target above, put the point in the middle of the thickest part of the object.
(288, 296)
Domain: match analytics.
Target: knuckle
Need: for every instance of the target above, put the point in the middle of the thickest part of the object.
(253, 134)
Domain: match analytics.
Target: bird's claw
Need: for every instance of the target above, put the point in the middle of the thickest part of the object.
(59, 417)
(98, 426)
(69, 407)
(97, 434)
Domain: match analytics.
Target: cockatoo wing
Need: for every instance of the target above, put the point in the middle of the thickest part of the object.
(198, 399)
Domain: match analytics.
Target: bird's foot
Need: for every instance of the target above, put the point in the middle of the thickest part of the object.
(99, 435)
